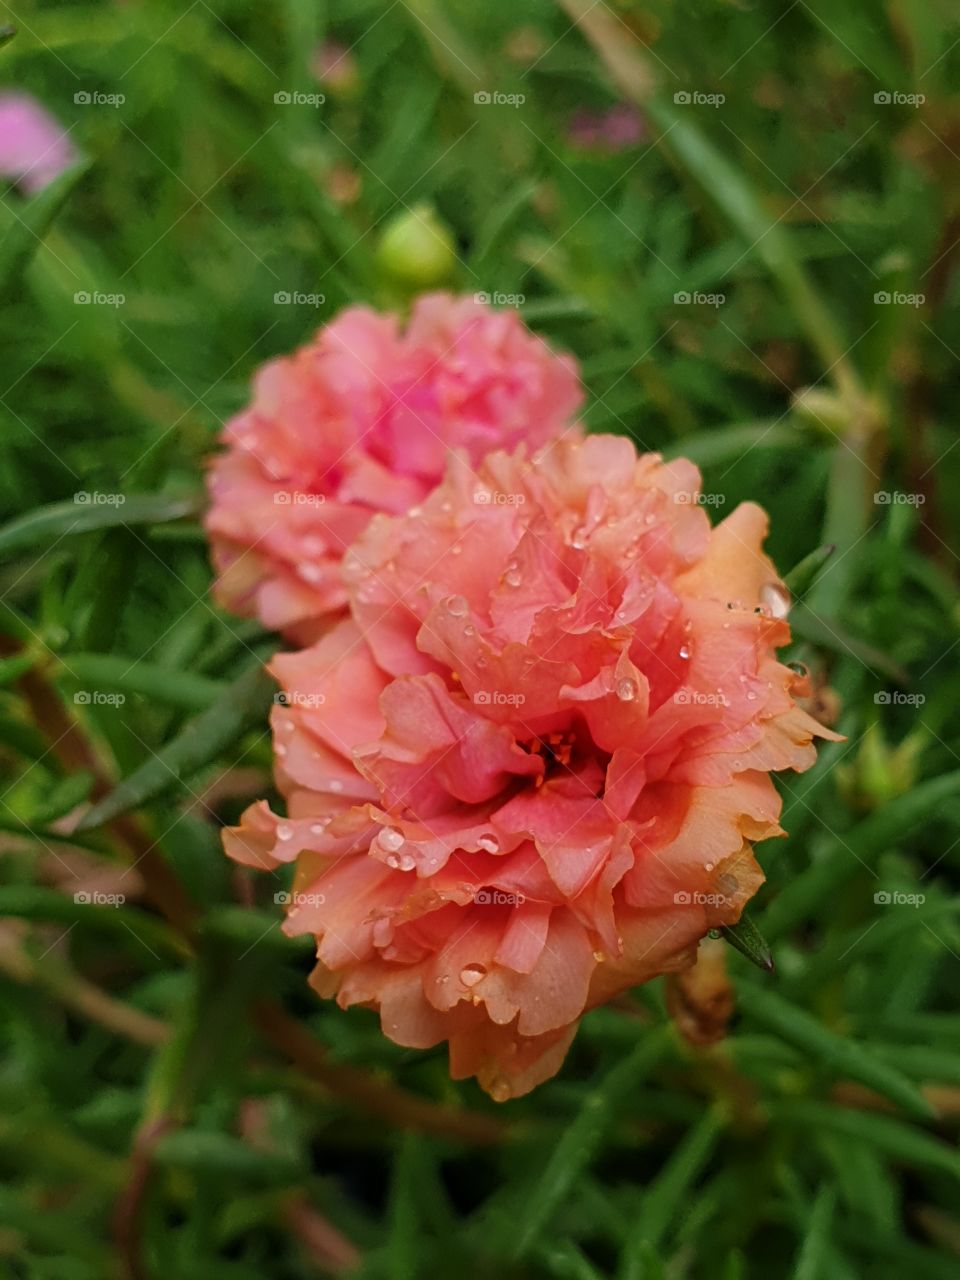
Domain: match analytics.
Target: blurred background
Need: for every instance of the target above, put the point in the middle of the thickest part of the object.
(744, 221)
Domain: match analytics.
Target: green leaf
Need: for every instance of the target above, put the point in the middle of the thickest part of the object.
(242, 705)
(897, 1139)
(811, 1264)
(729, 444)
(803, 575)
(841, 1054)
(25, 233)
(582, 1139)
(665, 1196)
(747, 939)
(110, 671)
(60, 519)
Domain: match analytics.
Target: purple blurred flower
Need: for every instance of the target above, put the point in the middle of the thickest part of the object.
(34, 148)
(614, 130)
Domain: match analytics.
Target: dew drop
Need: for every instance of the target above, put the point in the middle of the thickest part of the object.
(684, 651)
(318, 828)
(469, 630)
(578, 539)
(393, 861)
(284, 832)
(390, 839)
(335, 785)
(312, 572)
(708, 866)
(599, 957)
(499, 1090)
(489, 844)
(776, 598)
(280, 749)
(626, 689)
(457, 605)
(407, 862)
(472, 974)
(513, 578)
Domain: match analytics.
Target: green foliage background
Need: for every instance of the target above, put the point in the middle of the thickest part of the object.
(173, 1100)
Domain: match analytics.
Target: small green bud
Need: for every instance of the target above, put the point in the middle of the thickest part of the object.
(417, 249)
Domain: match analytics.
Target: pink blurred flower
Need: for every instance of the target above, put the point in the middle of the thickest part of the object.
(34, 149)
(334, 66)
(361, 420)
(527, 772)
(617, 129)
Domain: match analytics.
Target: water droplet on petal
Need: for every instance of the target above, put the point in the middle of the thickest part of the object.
(626, 689)
(390, 839)
(472, 974)
(578, 539)
(284, 832)
(489, 844)
(684, 651)
(499, 1090)
(776, 598)
(335, 785)
(407, 862)
(469, 630)
(318, 828)
(708, 866)
(457, 605)
(311, 572)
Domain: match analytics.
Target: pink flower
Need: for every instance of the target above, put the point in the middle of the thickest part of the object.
(361, 420)
(617, 129)
(33, 147)
(527, 773)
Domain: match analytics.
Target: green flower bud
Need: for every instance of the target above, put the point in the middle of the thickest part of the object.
(416, 249)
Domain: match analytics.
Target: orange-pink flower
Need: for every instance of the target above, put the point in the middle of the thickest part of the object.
(360, 420)
(528, 771)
